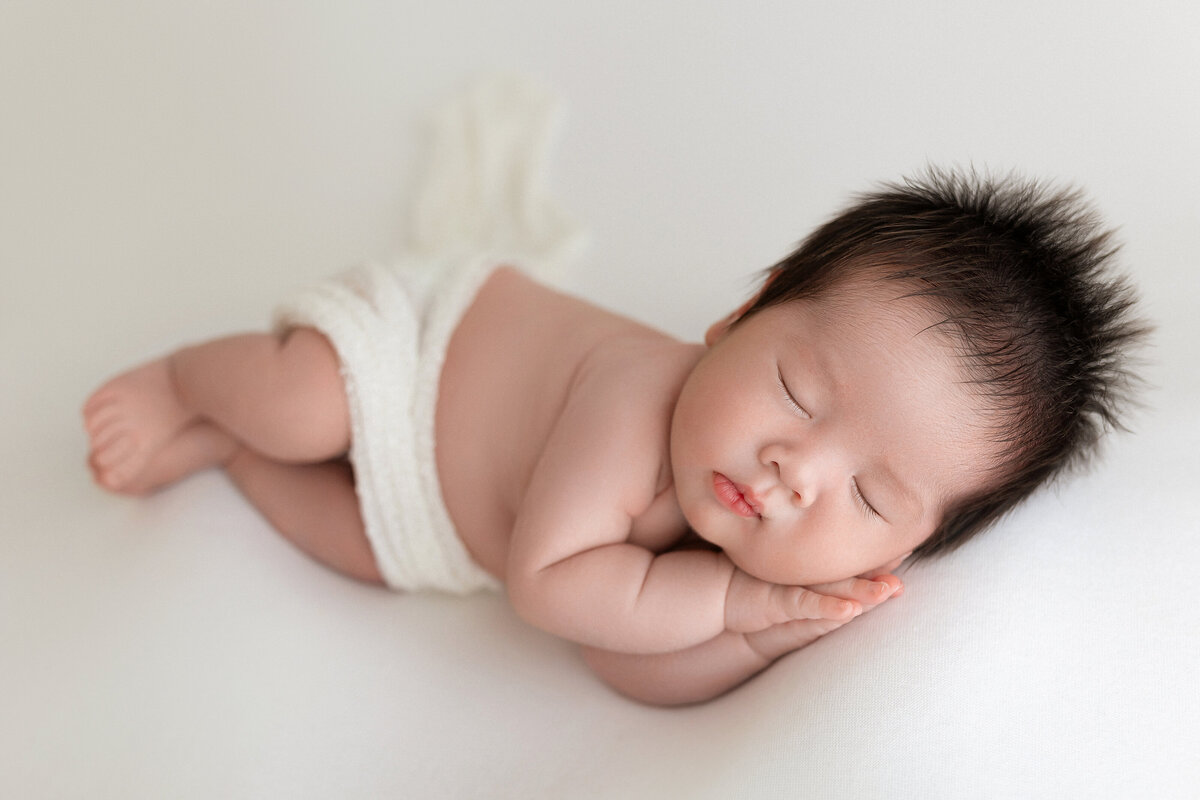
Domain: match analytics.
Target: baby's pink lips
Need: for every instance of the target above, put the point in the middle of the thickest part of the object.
(738, 499)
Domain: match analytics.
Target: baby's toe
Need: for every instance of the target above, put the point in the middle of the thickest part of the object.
(105, 436)
(96, 421)
(114, 478)
(99, 399)
(119, 448)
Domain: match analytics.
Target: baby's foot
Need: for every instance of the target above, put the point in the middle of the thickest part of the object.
(129, 420)
(198, 446)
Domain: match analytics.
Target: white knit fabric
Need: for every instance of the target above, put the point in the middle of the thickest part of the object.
(483, 202)
(485, 188)
(391, 338)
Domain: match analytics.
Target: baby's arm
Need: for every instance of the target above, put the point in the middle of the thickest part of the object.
(714, 667)
(573, 572)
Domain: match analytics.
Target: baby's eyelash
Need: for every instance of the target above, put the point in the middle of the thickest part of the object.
(862, 501)
(789, 397)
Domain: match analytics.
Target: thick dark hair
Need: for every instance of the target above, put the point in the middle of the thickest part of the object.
(1023, 275)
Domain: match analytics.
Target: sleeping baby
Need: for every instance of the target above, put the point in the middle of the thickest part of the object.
(686, 512)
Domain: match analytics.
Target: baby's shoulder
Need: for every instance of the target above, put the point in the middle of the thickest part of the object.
(637, 369)
(640, 379)
(628, 385)
(616, 421)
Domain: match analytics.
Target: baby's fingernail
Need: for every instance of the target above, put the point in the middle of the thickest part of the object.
(881, 588)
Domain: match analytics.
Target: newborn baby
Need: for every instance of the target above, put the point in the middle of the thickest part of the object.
(686, 512)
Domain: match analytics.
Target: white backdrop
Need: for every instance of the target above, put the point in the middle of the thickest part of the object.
(168, 170)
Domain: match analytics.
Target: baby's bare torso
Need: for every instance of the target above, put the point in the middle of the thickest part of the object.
(515, 358)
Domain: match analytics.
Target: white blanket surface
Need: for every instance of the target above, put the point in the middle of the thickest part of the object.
(169, 171)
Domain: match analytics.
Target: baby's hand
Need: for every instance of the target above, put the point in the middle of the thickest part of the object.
(867, 593)
(753, 605)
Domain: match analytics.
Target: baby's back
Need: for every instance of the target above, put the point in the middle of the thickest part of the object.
(508, 371)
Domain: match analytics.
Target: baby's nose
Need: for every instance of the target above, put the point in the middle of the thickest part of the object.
(803, 499)
(796, 474)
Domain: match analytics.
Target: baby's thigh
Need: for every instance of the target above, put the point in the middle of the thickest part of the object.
(311, 392)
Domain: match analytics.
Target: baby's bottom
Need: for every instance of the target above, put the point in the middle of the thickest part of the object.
(271, 410)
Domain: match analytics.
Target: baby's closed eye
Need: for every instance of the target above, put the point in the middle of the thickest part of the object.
(789, 396)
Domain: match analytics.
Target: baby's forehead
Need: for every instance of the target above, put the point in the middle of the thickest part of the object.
(875, 310)
(868, 340)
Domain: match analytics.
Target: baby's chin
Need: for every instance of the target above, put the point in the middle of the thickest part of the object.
(795, 575)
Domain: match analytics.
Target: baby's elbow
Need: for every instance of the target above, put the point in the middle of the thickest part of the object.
(653, 695)
(627, 675)
(528, 597)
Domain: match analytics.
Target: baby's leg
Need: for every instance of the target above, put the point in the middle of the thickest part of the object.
(313, 505)
(280, 395)
(198, 446)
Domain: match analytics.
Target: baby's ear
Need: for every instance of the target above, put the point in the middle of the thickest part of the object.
(716, 332)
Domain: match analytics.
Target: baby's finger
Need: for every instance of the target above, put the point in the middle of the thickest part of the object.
(800, 603)
(864, 590)
(887, 568)
(777, 640)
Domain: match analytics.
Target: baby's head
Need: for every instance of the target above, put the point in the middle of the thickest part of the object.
(1019, 280)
